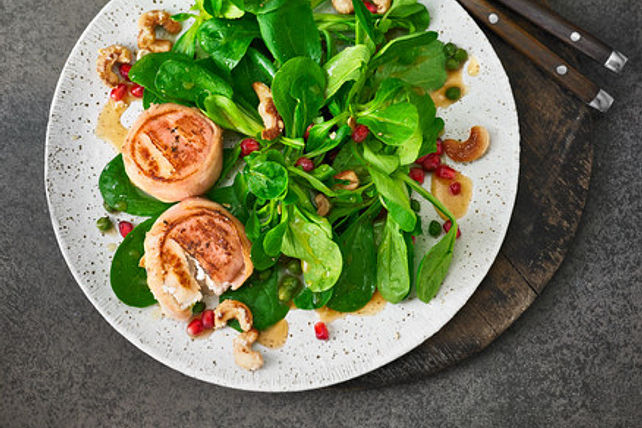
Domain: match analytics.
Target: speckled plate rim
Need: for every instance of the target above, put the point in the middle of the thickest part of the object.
(411, 341)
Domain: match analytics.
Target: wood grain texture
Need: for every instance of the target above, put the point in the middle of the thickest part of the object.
(555, 170)
(536, 51)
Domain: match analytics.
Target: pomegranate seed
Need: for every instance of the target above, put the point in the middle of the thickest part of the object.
(124, 71)
(306, 164)
(449, 224)
(195, 327)
(321, 330)
(118, 92)
(208, 319)
(371, 7)
(422, 159)
(444, 171)
(414, 240)
(124, 227)
(360, 133)
(431, 162)
(455, 188)
(417, 174)
(137, 90)
(307, 132)
(440, 147)
(248, 146)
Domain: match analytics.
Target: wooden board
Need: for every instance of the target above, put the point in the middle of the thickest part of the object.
(555, 170)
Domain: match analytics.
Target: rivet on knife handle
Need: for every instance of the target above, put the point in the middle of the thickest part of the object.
(571, 34)
(543, 57)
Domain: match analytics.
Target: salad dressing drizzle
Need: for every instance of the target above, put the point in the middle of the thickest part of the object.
(456, 204)
(473, 66)
(455, 78)
(373, 307)
(275, 336)
(109, 127)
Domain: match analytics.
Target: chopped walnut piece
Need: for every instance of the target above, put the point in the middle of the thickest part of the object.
(267, 110)
(107, 59)
(147, 24)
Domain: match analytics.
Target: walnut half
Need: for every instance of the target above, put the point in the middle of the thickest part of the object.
(147, 24)
(108, 58)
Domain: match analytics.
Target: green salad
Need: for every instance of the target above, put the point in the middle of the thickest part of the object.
(328, 205)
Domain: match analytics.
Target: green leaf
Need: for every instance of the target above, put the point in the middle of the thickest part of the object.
(116, 189)
(313, 181)
(434, 266)
(396, 198)
(309, 300)
(274, 237)
(145, 69)
(289, 31)
(128, 279)
(393, 124)
(266, 179)
(358, 279)
(373, 155)
(227, 41)
(346, 66)
(427, 69)
(400, 46)
(260, 258)
(226, 113)
(365, 21)
(311, 242)
(186, 80)
(262, 297)
(393, 277)
(254, 67)
(298, 89)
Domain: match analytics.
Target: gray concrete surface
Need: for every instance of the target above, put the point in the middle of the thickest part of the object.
(574, 359)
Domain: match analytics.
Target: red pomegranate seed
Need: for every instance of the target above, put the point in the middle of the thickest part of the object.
(414, 240)
(124, 227)
(444, 171)
(249, 145)
(118, 92)
(321, 330)
(306, 164)
(371, 7)
(440, 147)
(137, 90)
(455, 188)
(360, 133)
(421, 160)
(307, 132)
(207, 318)
(195, 327)
(449, 224)
(431, 162)
(417, 174)
(124, 71)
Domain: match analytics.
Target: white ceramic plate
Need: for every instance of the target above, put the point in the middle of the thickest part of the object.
(75, 158)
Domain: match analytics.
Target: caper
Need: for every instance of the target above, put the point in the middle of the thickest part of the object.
(104, 224)
(461, 55)
(450, 49)
(288, 287)
(453, 93)
(434, 229)
(415, 205)
(294, 266)
(452, 64)
(198, 308)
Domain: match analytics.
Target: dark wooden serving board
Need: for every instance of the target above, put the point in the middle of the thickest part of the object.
(555, 170)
